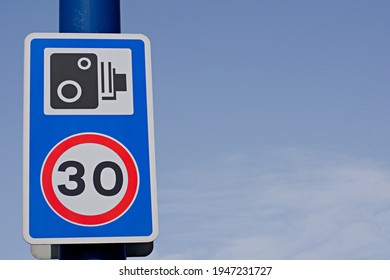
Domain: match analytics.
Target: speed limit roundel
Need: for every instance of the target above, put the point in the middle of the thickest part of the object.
(89, 179)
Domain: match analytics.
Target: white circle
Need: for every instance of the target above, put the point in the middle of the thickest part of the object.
(66, 99)
(89, 202)
(81, 60)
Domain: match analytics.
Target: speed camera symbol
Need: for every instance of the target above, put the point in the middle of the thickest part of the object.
(96, 81)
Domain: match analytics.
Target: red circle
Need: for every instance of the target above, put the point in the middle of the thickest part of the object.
(81, 219)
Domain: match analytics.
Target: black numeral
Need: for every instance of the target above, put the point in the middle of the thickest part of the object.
(73, 178)
(97, 176)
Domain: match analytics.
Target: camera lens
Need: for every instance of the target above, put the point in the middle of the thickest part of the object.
(64, 96)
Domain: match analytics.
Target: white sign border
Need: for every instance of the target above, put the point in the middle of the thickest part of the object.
(26, 140)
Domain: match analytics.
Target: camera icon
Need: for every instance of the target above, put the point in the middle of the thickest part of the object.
(88, 81)
(74, 81)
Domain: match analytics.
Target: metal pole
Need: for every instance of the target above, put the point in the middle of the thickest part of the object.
(90, 16)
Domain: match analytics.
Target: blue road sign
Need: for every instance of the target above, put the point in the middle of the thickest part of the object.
(88, 159)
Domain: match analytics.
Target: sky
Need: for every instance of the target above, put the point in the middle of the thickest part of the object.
(271, 125)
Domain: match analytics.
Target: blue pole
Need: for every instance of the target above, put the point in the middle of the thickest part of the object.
(90, 16)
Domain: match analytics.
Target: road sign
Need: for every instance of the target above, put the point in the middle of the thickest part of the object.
(88, 166)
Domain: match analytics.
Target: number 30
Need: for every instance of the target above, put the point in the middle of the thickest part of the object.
(97, 182)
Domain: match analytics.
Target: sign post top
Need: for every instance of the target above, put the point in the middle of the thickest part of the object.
(103, 36)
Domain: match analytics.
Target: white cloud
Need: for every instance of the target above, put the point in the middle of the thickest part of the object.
(286, 204)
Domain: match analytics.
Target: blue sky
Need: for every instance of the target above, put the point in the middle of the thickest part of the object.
(271, 122)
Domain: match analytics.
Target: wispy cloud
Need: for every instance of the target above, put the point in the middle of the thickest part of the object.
(286, 204)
